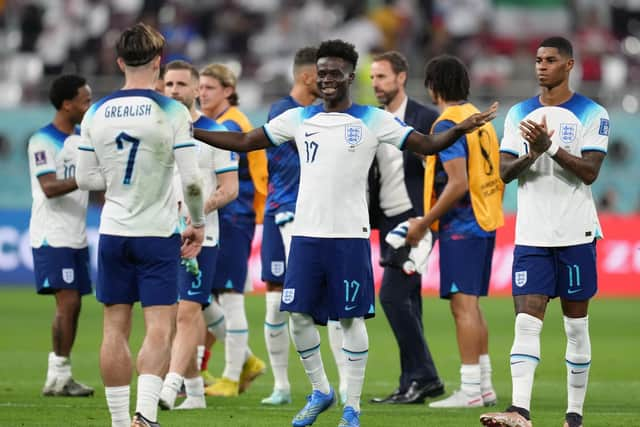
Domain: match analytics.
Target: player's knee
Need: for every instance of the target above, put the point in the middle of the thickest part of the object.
(577, 330)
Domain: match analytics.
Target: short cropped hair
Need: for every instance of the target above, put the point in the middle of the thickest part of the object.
(179, 64)
(65, 88)
(139, 44)
(225, 76)
(563, 45)
(305, 56)
(397, 60)
(338, 49)
(447, 76)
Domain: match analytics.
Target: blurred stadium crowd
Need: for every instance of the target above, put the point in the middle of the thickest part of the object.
(39, 39)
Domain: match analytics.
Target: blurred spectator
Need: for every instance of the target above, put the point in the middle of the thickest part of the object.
(593, 40)
(608, 201)
(5, 147)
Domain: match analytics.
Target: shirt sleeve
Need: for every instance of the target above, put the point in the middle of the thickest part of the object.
(88, 172)
(511, 141)
(283, 128)
(596, 133)
(42, 156)
(455, 151)
(389, 129)
(183, 128)
(224, 161)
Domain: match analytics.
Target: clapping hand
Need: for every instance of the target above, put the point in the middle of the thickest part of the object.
(192, 239)
(536, 134)
(476, 120)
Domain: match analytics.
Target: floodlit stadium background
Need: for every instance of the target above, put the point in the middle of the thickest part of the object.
(496, 39)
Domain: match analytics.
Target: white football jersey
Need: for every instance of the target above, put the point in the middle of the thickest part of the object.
(58, 221)
(133, 133)
(211, 161)
(555, 208)
(336, 151)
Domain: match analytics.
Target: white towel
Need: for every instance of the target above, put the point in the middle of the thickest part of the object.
(418, 256)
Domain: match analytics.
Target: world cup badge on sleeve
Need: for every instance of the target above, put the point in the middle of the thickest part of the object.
(353, 135)
(521, 278)
(288, 295)
(40, 157)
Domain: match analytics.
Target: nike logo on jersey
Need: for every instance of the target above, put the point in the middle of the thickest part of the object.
(349, 307)
(192, 293)
(308, 134)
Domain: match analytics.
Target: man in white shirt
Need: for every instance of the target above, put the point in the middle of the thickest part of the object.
(554, 144)
(219, 170)
(329, 266)
(131, 141)
(58, 227)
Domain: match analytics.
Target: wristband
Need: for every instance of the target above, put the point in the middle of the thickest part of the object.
(553, 148)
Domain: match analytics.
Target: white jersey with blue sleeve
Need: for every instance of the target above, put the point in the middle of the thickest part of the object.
(57, 221)
(211, 162)
(133, 134)
(555, 208)
(336, 150)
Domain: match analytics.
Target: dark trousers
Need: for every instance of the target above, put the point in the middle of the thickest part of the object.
(401, 300)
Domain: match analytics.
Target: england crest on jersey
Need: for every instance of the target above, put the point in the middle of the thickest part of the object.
(353, 135)
(68, 275)
(568, 132)
(521, 278)
(288, 295)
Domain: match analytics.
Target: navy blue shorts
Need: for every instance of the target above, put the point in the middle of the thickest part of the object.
(233, 256)
(198, 288)
(567, 272)
(329, 279)
(61, 268)
(272, 253)
(465, 266)
(141, 269)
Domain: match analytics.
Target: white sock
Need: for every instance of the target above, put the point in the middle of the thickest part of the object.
(118, 403)
(355, 348)
(149, 387)
(578, 357)
(199, 355)
(214, 319)
(335, 332)
(525, 356)
(171, 387)
(62, 367)
(485, 373)
(194, 386)
(307, 341)
(51, 371)
(237, 337)
(470, 379)
(276, 338)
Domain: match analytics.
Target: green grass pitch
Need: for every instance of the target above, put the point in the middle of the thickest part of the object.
(613, 398)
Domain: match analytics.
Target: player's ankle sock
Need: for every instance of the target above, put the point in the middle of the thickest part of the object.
(485, 373)
(578, 359)
(470, 379)
(171, 387)
(118, 403)
(336, 339)
(149, 387)
(214, 319)
(355, 349)
(62, 367)
(525, 356)
(276, 337)
(307, 341)
(194, 386)
(199, 355)
(51, 370)
(237, 336)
